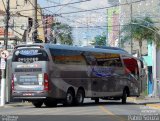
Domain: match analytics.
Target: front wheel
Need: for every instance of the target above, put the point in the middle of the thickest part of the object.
(37, 104)
(79, 97)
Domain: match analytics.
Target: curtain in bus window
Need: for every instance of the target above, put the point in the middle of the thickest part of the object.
(131, 65)
(108, 59)
(61, 56)
(108, 63)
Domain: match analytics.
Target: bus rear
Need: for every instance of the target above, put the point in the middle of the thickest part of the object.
(29, 73)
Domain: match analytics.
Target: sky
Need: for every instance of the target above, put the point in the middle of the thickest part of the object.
(85, 19)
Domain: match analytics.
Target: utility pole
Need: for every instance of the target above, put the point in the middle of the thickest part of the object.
(107, 29)
(131, 27)
(35, 33)
(3, 71)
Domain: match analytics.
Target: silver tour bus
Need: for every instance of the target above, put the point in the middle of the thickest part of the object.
(51, 74)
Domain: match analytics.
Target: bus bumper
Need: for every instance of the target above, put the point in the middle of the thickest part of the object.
(29, 95)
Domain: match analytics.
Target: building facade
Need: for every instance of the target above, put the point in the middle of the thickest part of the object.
(133, 9)
(113, 24)
(48, 20)
(21, 21)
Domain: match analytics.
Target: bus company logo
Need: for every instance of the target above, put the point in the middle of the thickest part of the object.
(102, 72)
(28, 52)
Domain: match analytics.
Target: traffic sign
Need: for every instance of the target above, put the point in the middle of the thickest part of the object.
(4, 54)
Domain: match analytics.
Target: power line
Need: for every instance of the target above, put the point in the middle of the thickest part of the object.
(59, 5)
(102, 7)
(86, 10)
(72, 6)
(69, 19)
(62, 7)
(65, 6)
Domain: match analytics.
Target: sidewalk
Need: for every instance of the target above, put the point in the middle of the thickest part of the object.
(153, 102)
(17, 104)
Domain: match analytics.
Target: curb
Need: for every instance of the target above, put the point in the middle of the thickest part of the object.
(155, 106)
(132, 99)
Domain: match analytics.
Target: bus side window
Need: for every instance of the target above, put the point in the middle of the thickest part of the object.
(90, 60)
(62, 56)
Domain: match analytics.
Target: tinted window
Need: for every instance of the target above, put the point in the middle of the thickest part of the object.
(29, 55)
(107, 59)
(61, 56)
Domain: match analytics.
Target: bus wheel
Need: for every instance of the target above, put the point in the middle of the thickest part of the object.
(124, 96)
(69, 98)
(96, 100)
(79, 97)
(37, 104)
(50, 103)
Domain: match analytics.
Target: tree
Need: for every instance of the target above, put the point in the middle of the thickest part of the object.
(140, 30)
(99, 40)
(62, 33)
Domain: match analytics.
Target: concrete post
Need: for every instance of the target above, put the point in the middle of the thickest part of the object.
(154, 69)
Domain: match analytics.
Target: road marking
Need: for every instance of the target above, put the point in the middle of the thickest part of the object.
(105, 110)
(118, 118)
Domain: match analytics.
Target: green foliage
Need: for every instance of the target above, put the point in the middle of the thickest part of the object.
(63, 33)
(99, 40)
(140, 30)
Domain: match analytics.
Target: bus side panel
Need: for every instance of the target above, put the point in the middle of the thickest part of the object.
(69, 69)
(65, 76)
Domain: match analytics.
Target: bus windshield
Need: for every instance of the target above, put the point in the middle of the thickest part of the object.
(29, 55)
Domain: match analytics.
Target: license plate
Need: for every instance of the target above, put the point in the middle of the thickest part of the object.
(28, 94)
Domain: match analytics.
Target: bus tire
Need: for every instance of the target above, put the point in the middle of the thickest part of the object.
(50, 103)
(79, 97)
(69, 98)
(37, 104)
(124, 96)
(96, 100)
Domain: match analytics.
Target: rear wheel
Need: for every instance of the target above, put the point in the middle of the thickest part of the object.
(79, 97)
(37, 104)
(69, 98)
(124, 96)
(50, 103)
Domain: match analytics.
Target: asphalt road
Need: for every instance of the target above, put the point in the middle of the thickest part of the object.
(105, 110)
